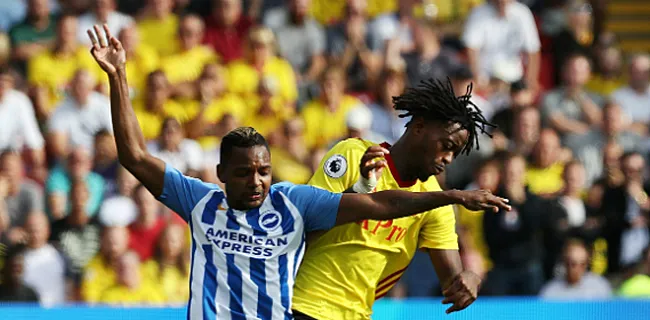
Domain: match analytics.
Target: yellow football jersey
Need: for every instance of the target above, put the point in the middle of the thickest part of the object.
(347, 268)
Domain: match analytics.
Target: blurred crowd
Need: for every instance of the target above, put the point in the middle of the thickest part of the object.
(570, 149)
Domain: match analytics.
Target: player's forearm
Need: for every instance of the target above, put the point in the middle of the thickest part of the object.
(447, 264)
(131, 147)
(394, 204)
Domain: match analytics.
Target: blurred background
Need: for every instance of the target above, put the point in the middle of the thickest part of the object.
(567, 83)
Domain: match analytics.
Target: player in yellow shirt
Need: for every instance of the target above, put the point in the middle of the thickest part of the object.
(347, 268)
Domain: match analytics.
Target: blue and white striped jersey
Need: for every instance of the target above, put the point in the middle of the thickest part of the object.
(244, 262)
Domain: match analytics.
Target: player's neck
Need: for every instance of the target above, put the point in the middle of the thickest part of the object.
(399, 152)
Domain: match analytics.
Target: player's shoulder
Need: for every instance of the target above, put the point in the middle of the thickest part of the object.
(353, 146)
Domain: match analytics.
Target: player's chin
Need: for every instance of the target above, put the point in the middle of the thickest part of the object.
(253, 203)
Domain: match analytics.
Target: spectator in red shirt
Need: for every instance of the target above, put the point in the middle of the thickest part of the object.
(226, 29)
(148, 225)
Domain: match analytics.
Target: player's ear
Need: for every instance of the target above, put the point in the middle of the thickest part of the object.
(417, 125)
(220, 173)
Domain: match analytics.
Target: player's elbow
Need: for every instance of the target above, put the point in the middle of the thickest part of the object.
(131, 160)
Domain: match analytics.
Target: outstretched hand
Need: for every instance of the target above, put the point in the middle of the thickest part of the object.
(477, 200)
(107, 50)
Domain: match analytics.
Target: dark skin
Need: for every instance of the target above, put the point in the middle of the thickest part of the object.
(436, 145)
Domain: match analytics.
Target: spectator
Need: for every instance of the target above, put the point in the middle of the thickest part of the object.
(501, 30)
(77, 235)
(210, 101)
(301, 40)
(12, 286)
(158, 27)
(290, 159)
(471, 239)
(267, 111)
(520, 98)
(19, 196)
(589, 148)
(635, 97)
(183, 154)
(394, 30)
(34, 35)
(102, 12)
(260, 61)
(609, 77)
(512, 237)
(58, 184)
(51, 70)
(350, 45)
(526, 132)
(576, 38)
(334, 105)
(359, 123)
(570, 109)
(577, 283)
(157, 105)
(131, 287)
(227, 28)
(544, 174)
(99, 273)
(626, 213)
(430, 59)
(170, 265)
(186, 64)
(148, 225)
(45, 268)
(141, 60)
(105, 162)
(18, 126)
(571, 198)
(81, 115)
(385, 119)
(119, 209)
(638, 286)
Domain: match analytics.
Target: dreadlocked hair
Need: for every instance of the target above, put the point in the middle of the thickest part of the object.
(435, 100)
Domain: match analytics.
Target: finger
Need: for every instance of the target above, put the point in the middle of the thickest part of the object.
(371, 155)
(460, 304)
(377, 149)
(452, 289)
(100, 37)
(376, 165)
(107, 31)
(93, 39)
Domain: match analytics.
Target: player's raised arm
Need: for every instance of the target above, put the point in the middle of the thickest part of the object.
(393, 204)
(131, 148)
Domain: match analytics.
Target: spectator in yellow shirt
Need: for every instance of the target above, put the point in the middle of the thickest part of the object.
(99, 273)
(267, 112)
(132, 288)
(333, 105)
(209, 101)
(50, 71)
(156, 105)
(186, 64)
(609, 76)
(260, 62)
(328, 12)
(141, 60)
(170, 266)
(158, 27)
(544, 173)
(291, 158)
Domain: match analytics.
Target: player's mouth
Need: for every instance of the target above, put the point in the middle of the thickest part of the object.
(255, 196)
(438, 169)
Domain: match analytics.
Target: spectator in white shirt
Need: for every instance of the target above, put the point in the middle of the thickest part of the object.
(635, 97)
(501, 30)
(183, 154)
(577, 283)
(45, 267)
(79, 117)
(18, 127)
(103, 11)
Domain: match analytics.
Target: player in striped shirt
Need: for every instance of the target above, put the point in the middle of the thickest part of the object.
(246, 247)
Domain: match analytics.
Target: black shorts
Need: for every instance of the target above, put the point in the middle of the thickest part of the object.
(297, 315)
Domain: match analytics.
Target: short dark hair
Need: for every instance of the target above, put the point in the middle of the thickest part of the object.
(435, 100)
(242, 137)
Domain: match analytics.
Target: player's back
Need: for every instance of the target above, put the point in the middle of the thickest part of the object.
(243, 263)
(346, 268)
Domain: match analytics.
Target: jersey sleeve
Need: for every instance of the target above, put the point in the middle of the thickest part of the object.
(318, 207)
(439, 229)
(339, 169)
(182, 193)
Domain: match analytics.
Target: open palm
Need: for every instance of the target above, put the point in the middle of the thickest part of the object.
(107, 50)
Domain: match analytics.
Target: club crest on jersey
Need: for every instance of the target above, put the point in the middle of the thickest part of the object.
(270, 220)
(335, 166)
